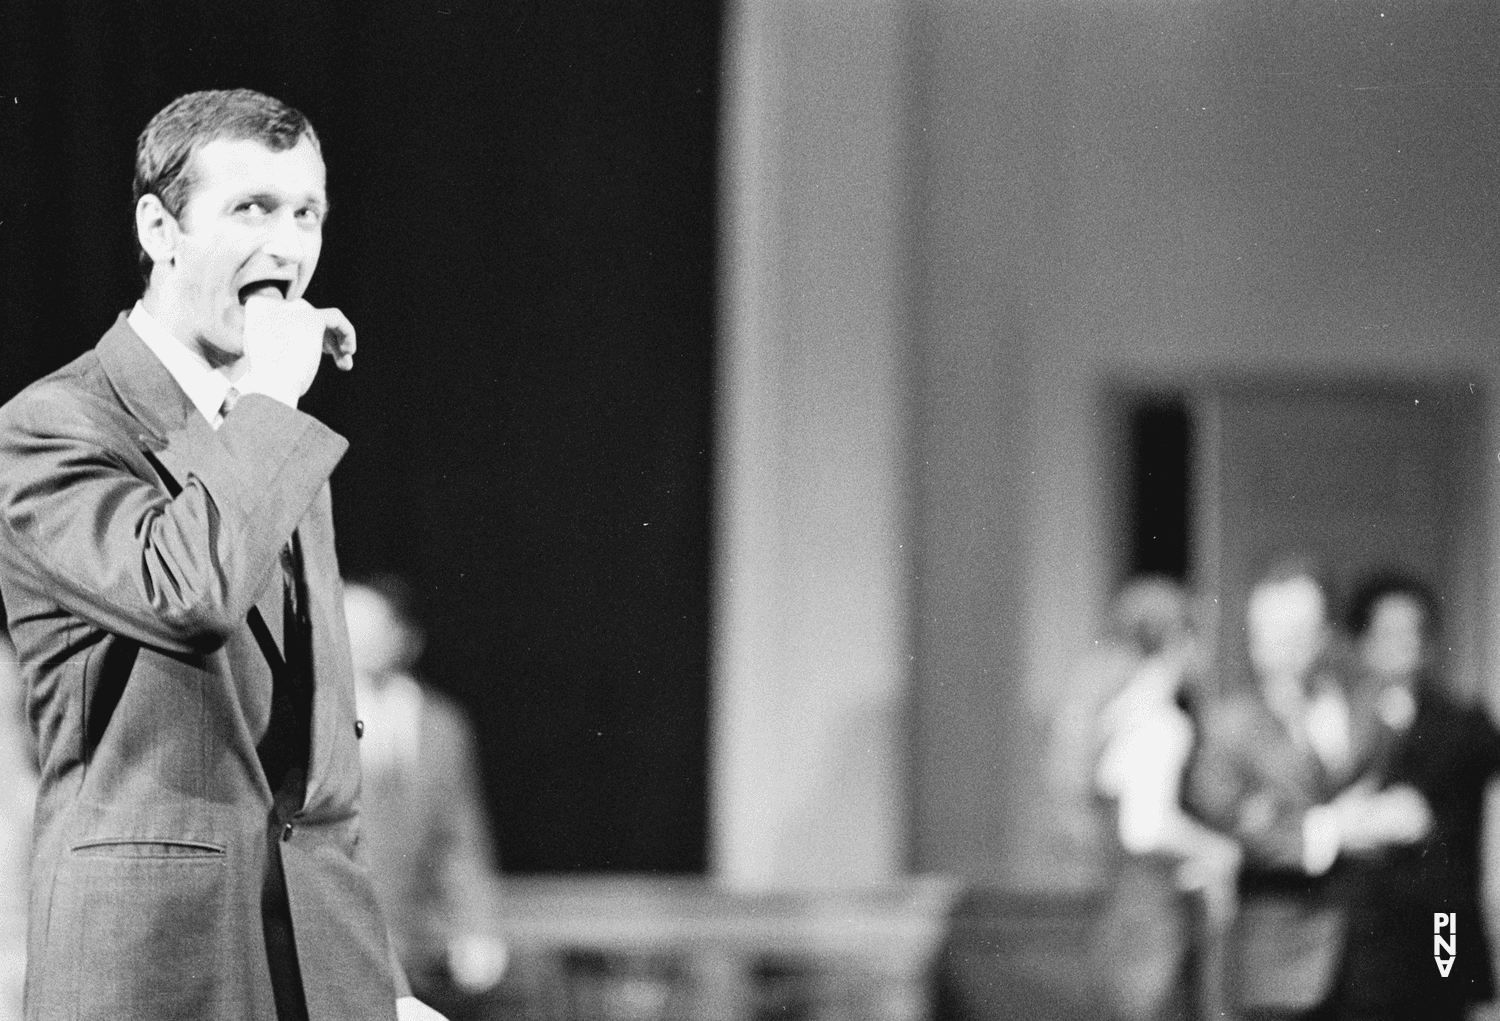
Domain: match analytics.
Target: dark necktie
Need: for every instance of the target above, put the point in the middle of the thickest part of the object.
(284, 749)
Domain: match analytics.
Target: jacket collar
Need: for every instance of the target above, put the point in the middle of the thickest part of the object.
(143, 383)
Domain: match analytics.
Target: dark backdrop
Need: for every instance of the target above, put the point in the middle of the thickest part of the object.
(522, 231)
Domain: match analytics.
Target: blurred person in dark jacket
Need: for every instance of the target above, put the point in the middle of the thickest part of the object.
(425, 833)
(1448, 752)
(1277, 769)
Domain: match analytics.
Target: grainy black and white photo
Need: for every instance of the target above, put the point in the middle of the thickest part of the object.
(749, 510)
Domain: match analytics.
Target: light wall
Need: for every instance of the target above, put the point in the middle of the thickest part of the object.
(811, 640)
(1172, 192)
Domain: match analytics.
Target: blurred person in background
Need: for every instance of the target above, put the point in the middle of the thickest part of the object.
(1277, 769)
(425, 835)
(1447, 752)
(1143, 737)
(18, 784)
(1148, 615)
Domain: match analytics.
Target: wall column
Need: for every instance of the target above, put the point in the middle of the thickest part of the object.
(810, 643)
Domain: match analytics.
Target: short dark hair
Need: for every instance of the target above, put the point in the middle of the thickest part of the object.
(1369, 592)
(164, 152)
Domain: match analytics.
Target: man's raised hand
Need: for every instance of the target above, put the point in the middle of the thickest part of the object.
(338, 338)
(284, 343)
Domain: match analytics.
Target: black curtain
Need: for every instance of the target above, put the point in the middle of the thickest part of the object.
(523, 233)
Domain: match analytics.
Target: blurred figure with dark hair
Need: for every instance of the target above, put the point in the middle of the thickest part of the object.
(1277, 769)
(1448, 752)
(425, 836)
(18, 784)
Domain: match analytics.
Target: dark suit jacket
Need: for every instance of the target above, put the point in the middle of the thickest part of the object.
(149, 695)
(1250, 779)
(1450, 753)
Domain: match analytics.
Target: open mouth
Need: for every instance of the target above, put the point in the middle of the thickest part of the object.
(265, 289)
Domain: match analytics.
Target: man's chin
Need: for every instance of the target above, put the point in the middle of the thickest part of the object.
(221, 352)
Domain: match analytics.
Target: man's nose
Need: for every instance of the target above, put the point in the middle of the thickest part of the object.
(285, 238)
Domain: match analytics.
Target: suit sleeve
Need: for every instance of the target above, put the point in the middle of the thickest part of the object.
(178, 572)
(1226, 790)
(1214, 785)
(1453, 751)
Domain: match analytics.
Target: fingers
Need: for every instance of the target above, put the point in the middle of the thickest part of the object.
(338, 338)
(283, 342)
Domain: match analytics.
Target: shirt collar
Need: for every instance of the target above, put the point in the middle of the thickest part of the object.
(204, 385)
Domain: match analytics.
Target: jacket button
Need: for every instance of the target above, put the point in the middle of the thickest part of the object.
(359, 729)
(286, 832)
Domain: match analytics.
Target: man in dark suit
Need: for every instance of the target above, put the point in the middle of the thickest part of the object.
(1448, 750)
(1277, 768)
(167, 563)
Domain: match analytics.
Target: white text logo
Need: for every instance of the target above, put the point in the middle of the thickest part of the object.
(1444, 944)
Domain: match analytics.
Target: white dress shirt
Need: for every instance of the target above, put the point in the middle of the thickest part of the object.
(1148, 741)
(204, 385)
(392, 714)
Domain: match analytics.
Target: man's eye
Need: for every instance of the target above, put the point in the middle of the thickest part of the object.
(310, 215)
(252, 207)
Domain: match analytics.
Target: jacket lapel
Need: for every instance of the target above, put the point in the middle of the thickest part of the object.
(153, 398)
(144, 385)
(332, 703)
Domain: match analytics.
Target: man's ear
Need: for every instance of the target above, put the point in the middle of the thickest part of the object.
(157, 230)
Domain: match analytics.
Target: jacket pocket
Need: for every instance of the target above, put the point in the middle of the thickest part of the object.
(166, 847)
(142, 929)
